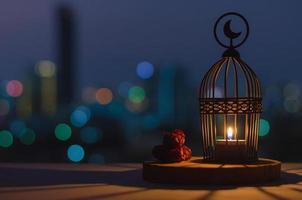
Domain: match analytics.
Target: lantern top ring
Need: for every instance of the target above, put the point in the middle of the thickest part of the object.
(228, 32)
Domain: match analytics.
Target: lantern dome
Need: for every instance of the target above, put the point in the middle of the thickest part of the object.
(230, 103)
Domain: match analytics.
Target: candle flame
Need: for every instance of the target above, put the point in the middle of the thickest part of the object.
(230, 133)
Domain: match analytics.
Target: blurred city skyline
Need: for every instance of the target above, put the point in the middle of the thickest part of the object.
(101, 81)
(113, 36)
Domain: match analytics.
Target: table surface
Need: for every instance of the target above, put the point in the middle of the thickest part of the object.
(124, 181)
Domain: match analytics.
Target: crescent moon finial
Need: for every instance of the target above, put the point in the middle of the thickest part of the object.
(228, 31)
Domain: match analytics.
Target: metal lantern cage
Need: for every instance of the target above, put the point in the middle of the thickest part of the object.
(230, 99)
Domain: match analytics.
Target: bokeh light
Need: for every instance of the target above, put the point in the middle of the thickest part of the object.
(63, 131)
(27, 137)
(86, 110)
(4, 107)
(45, 68)
(145, 70)
(17, 127)
(264, 127)
(291, 90)
(292, 104)
(136, 94)
(79, 118)
(75, 153)
(218, 92)
(124, 88)
(6, 139)
(96, 158)
(137, 107)
(89, 94)
(14, 88)
(90, 135)
(104, 96)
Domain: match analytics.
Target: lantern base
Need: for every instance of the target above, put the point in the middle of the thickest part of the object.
(198, 171)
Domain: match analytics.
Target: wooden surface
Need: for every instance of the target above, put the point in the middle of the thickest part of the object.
(198, 171)
(124, 181)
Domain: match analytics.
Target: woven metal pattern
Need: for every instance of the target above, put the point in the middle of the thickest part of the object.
(230, 106)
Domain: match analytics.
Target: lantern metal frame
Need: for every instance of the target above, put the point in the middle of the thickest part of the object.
(232, 104)
(230, 93)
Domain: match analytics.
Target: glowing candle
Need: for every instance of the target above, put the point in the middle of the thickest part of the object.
(230, 149)
(230, 133)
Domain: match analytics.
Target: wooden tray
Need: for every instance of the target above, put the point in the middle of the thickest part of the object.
(197, 171)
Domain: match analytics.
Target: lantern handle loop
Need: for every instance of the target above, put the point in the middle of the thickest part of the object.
(229, 33)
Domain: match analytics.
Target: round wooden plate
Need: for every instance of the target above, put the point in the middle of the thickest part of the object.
(197, 171)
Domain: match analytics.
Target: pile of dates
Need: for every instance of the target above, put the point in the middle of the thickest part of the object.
(173, 148)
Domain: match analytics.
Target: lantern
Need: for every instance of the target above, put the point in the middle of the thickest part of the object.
(230, 107)
(230, 101)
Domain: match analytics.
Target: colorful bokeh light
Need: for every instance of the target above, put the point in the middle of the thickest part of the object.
(46, 68)
(264, 127)
(89, 95)
(6, 139)
(137, 107)
(78, 118)
(145, 70)
(292, 90)
(90, 135)
(218, 92)
(136, 94)
(63, 132)
(104, 96)
(14, 88)
(86, 110)
(75, 153)
(292, 104)
(27, 137)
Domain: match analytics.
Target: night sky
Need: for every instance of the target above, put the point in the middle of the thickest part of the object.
(114, 35)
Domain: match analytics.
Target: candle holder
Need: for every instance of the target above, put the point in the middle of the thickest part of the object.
(230, 107)
(230, 102)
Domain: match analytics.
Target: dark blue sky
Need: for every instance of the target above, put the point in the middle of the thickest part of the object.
(114, 35)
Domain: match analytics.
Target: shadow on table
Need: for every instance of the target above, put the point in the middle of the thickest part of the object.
(17, 177)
